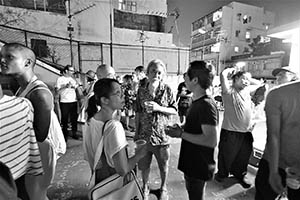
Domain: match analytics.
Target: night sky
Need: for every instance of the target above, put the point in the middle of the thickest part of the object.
(285, 11)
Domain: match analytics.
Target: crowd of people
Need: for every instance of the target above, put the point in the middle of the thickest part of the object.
(35, 126)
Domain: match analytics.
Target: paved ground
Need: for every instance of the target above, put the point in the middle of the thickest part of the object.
(73, 175)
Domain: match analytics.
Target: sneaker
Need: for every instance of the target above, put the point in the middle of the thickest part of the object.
(164, 194)
(219, 178)
(245, 182)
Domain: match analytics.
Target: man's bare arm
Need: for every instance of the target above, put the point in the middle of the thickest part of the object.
(273, 144)
(225, 85)
(42, 102)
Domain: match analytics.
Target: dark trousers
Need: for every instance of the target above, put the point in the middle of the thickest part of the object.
(68, 110)
(263, 188)
(235, 149)
(195, 188)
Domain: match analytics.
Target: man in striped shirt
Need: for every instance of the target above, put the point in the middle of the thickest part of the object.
(18, 145)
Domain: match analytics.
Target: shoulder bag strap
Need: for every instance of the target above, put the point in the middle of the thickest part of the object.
(99, 148)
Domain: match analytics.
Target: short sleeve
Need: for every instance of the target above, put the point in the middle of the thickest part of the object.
(210, 114)
(114, 140)
(171, 98)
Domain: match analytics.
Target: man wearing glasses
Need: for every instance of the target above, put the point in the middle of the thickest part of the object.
(66, 87)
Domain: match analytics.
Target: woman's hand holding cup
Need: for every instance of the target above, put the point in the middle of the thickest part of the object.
(140, 147)
(148, 106)
(292, 178)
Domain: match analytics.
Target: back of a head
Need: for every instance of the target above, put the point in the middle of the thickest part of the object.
(127, 77)
(102, 88)
(91, 75)
(105, 71)
(203, 71)
(139, 69)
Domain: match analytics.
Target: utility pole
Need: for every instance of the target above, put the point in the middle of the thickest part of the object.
(142, 39)
(111, 33)
(70, 29)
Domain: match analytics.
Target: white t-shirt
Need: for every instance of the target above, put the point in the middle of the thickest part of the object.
(114, 140)
(67, 95)
(238, 110)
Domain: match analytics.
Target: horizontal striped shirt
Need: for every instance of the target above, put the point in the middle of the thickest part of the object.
(18, 145)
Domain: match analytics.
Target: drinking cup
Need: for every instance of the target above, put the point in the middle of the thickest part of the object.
(147, 106)
(292, 178)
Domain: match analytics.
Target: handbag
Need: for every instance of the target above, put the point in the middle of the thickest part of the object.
(115, 186)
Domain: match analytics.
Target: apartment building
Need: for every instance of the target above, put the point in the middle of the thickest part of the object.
(228, 31)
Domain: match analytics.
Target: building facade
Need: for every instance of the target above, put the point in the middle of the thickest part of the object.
(290, 34)
(125, 33)
(228, 31)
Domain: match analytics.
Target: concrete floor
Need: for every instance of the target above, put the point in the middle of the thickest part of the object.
(73, 173)
(72, 177)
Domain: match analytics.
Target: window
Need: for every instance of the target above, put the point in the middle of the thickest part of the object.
(128, 5)
(266, 25)
(121, 4)
(237, 33)
(247, 19)
(246, 50)
(236, 49)
(133, 6)
(248, 35)
(39, 47)
(239, 16)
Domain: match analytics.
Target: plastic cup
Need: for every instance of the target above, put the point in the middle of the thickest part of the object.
(147, 106)
(140, 142)
(292, 178)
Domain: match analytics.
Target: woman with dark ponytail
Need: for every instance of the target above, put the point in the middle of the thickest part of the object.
(109, 96)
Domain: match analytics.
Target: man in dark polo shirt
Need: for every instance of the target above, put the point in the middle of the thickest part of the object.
(199, 135)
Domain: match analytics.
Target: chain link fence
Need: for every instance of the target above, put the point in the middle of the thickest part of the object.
(88, 55)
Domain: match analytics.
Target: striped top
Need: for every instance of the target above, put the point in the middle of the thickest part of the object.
(18, 146)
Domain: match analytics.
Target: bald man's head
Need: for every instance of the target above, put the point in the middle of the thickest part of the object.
(105, 71)
(16, 59)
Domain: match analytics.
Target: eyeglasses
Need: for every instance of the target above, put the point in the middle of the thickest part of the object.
(119, 94)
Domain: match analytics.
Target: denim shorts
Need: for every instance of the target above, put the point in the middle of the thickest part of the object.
(161, 153)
